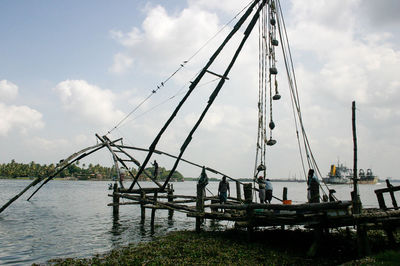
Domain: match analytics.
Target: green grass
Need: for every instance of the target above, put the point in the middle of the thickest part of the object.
(270, 247)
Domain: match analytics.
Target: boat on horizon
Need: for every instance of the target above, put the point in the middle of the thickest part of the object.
(367, 178)
(340, 174)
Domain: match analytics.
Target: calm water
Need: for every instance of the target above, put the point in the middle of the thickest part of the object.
(71, 218)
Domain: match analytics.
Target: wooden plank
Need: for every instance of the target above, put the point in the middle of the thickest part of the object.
(383, 190)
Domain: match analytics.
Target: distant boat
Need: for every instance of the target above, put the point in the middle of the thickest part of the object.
(339, 174)
(367, 178)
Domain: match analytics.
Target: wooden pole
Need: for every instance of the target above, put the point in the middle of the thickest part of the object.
(153, 214)
(248, 193)
(355, 195)
(284, 197)
(170, 196)
(199, 206)
(390, 186)
(238, 194)
(191, 88)
(115, 201)
(248, 199)
(142, 208)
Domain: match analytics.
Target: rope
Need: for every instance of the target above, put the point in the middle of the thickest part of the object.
(295, 97)
(182, 65)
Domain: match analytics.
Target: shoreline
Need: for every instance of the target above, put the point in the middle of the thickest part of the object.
(231, 247)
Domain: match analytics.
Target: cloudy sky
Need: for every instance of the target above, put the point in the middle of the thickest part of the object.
(70, 69)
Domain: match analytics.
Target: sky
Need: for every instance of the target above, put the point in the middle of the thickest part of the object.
(71, 69)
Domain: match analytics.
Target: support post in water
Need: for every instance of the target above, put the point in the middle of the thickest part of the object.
(199, 206)
(170, 196)
(153, 213)
(115, 201)
(142, 208)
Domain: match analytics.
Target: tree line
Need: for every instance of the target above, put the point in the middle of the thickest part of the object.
(77, 171)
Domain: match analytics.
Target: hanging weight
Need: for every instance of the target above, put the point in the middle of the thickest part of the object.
(271, 142)
(271, 125)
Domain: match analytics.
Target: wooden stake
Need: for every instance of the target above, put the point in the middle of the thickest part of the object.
(199, 206)
(142, 209)
(170, 196)
(153, 214)
(238, 194)
(115, 201)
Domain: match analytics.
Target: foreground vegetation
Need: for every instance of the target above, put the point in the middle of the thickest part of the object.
(270, 247)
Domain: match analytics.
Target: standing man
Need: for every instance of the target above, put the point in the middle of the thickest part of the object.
(268, 191)
(261, 188)
(223, 190)
(313, 187)
(155, 164)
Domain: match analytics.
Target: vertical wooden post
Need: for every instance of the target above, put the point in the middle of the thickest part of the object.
(153, 213)
(170, 196)
(392, 194)
(355, 195)
(381, 201)
(199, 206)
(362, 240)
(238, 194)
(248, 198)
(284, 197)
(115, 201)
(248, 192)
(142, 209)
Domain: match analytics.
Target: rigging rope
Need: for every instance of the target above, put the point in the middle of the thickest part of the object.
(312, 164)
(182, 65)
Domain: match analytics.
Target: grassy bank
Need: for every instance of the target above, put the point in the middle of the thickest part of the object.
(270, 247)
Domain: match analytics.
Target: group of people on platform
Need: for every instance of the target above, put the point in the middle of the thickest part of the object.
(265, 189)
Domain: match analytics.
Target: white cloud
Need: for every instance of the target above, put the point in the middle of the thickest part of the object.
(89, 102)
(19, 117)
(121, 63)
(8, 90)
(165, 40)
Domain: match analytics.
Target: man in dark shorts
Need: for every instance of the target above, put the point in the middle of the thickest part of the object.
(223, 190)
(268, 191)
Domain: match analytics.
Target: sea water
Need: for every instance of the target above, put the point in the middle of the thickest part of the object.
(72, 219)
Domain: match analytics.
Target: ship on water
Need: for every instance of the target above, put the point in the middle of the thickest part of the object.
(367, 178)
(340, 174)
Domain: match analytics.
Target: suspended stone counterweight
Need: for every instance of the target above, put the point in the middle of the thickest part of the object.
(273, 71)
(271, 142)
(276, 97)
(271, 125)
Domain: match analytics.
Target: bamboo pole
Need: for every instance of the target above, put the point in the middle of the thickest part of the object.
(355, 196)
(193, 86)
(65, 163)
(217, 89)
